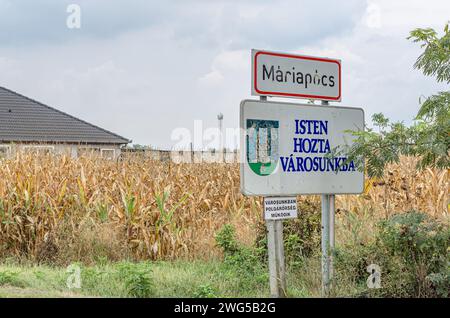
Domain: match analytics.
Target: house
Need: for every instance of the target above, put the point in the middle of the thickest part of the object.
(28, 125)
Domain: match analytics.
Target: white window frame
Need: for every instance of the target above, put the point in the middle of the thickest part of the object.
(37, 147)
(108, 149)
(88, 151)
(8, 150)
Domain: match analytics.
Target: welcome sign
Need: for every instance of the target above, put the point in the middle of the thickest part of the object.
(285, 149)
(298, 76)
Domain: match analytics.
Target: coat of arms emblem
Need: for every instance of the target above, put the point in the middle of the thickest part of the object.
(262, 145)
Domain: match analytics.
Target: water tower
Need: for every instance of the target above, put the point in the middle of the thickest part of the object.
(220, 119)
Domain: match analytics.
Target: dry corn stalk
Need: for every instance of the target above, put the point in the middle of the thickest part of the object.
(42, 198)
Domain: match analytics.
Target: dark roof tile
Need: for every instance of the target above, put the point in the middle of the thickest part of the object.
(23, 119)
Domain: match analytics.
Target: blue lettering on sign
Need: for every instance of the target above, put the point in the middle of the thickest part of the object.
(315, 143)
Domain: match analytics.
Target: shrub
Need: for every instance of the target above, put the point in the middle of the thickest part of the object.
(415, 255)
(11, 278)
(411, 249)
(302, 235)
(226, 240)
(138, 282)
(441, 283)
(91, 277)
(205, 291)
(244, 258)
(242, 262)
(351, 263)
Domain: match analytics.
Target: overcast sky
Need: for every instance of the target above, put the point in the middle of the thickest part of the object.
(143, 68)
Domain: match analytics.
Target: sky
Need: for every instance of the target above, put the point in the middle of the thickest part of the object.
(145, 69)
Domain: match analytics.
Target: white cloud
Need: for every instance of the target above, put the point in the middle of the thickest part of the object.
(373, 16)
(378, 61)
(214, 77)
(226, 66)
(154, 67)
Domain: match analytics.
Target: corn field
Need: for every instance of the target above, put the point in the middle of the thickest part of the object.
(59, 209)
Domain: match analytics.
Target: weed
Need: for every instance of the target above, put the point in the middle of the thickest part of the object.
(11, 278)
(411, 250)
(226, 240)
(205, 291)
(138, 281)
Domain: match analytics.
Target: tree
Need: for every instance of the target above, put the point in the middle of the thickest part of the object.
(428, 137)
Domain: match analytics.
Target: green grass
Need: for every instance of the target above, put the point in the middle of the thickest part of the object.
(403, 246)
(168, 279)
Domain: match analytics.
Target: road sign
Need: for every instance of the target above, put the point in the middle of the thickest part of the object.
(284, 149)
(298, 76)
(280, 208)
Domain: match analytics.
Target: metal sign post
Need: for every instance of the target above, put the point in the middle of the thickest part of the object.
(331, 213)
(277, 209)
(325, 243)
(327, 201)
(275, 246)
(277, 272)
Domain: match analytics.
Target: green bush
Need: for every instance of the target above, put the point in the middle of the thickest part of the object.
(137, 278)
(415, 255)
(441, 283)
(351, 263)
(302, 235)
(244, 259)
(242, 262)
(90, 276)
(11, 278)
(226, 240)
(205, 291)
(411, 249)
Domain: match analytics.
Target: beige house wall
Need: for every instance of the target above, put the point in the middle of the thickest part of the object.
(73, 151)
(187, 156)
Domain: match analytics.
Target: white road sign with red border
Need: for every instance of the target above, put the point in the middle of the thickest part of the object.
(297, 76)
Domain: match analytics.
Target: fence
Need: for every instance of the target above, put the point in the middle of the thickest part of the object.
(178, 156)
